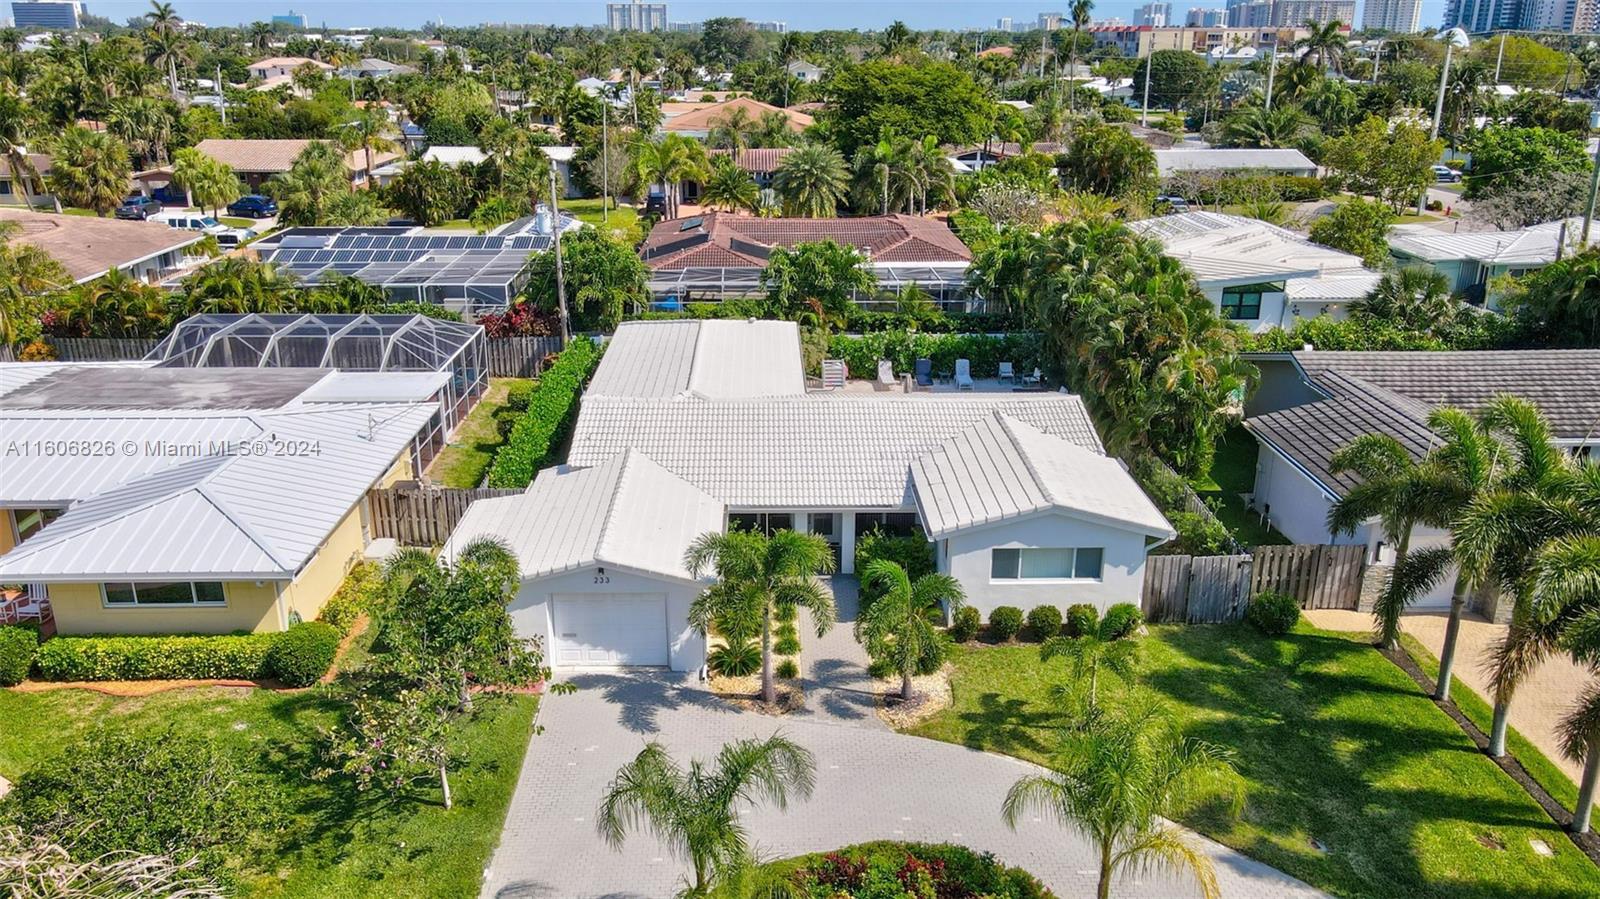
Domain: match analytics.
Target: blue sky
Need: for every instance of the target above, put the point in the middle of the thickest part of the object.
(804, 15)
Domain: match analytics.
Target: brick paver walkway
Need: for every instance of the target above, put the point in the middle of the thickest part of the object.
(871, 784)
(833, 667)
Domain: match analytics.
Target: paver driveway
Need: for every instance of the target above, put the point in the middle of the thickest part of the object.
(871, 784)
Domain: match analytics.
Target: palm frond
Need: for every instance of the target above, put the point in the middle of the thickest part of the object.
(1166, 850)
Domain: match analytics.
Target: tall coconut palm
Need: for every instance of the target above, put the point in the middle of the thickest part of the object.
(695, 811)
(165, 43)
(757, 575)
(1080, 11)
(369, 132)
(898, 627)
(16, 124)
(812, 181)
(1118, 783)
(668, 162)
(260, 34)
(1324, 42)
(90, 169)
(788, 49)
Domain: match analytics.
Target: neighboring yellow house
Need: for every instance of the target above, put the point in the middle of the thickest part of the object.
(197, 500)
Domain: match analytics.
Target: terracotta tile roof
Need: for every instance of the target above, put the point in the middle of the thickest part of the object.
(705, 115)
(721, 240)
(1006, 150)
(757, 159)
(272, 156)
(89, 247)
(292, 62)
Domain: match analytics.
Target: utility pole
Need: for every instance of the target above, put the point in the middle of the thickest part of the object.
(1144, 114)
(222, 100)
(1594, 185)
(1272, 69)
(1500, 57)
(561, 272)
(605, 161)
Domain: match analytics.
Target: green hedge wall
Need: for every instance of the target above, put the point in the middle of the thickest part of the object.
(242, 656)
(861, 352)
(538, 434)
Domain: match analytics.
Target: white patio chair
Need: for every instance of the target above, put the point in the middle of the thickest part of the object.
(963, 374)
(834, 374)
(1033, 379)
(1007, 373)
(886, 373)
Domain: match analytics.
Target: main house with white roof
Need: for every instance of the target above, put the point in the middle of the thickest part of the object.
(697, 426)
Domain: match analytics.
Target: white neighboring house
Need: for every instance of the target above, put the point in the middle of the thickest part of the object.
(1258, 274)
(282, 66)
(697, 426)
(1310, 404)
(1266, 162)
(1471, 259)
(808, 72)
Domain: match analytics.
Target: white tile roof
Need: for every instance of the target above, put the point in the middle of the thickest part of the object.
(809, 451)
(1219, 248)
(199, 514)
(1001, 469)
(626, 511)
(1198, 160)
(714, 359)
(1533, 245)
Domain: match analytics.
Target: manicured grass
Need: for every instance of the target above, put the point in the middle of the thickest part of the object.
(623, 222)
(1332, 742)
(454, 225)
(464, 461)
(233, 222)
(77, 210)
(340, 843)
(1233, 471)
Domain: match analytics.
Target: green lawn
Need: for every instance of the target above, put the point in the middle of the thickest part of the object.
(342, 843)
(455, 225)
(1233, 471)
(234, 222)
(464, 461)
(623, 222)
(1333, 742)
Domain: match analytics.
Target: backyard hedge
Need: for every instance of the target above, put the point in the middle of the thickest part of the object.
(242, 656)
(303, 654)
(537, 437)
(17, 646)
(861, 352)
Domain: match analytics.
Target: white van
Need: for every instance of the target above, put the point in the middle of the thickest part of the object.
(196, 221)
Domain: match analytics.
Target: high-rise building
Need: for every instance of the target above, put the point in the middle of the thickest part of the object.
(636, 16)
(1003, 23)
(63, 14)
(1403, 16)
(1050, 21)
(1296, 12)
(1249, 13)
(1156, 14)
(1200, 17)
(774, 27)
(1484, 15)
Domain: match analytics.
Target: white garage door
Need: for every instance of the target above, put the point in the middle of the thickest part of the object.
(605, 629)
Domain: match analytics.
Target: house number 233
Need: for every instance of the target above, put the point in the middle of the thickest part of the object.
(602, 578)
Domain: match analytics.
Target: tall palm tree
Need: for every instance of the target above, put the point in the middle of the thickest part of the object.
(144, 124)
(668, 162)
(1080, 11)
(788, 49)
(812, 181)
(1324, 41)
(90, 169)
(165, 42)
(695, 811)
(369, 132)
(896, 39)
(729, 187)
(757, 575)
(260, 34)
(16, 122)
(1118, 783)
(898, 626)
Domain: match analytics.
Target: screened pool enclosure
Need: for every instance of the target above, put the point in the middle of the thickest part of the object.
(946, 286)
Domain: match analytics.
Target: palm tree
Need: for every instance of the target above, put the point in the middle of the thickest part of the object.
(773, 129)
(696, 811)
(1416, 297)
(1088, 654)
(1325, 41)
(669, 162)
(788, 49)
(896, 39)
(1255, 126)
(1118, 783)
(1080, 11)
(144, 124)
(729, 187)
(210, 182)
(731, 130)
(316, 177)
(25, 272)
(260, 35)
(757, 574)
(898, 626)
(369, 132)
(812, 181)
(90, 169)
(16, 121)
(165, 42)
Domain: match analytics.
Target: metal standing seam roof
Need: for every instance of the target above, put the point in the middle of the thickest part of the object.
(1533, 245)
(1216, 247)
(1337, 287)
(201, 515)
(809, 451)
(16, 375)
(713, 359)
(1178, 159)
(626, 512)
(1001, 469)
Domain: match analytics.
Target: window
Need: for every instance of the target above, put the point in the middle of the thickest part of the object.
(1081, 563)
(765, 522)
(164, 593)
(30, 521)
(1244, 301)
(892, 524)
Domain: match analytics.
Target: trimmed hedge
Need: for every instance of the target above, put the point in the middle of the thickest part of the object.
(1121, 620)
(357, 596)
(1273, 613)
(303, 654)
(1005, 622)
(242, 656)
(968, 621)
(1044, 622)
(861, 352)
(1082, 618)
(536, 439)
(17, 646)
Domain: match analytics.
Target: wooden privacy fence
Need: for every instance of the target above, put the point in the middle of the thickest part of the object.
(520, 357)
(423, 516)
(1213, 589)
(506, 357)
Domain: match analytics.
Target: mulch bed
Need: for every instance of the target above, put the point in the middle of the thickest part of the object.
(745, 693)
(931, 695)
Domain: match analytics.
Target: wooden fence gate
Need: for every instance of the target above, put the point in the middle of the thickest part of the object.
(1317, 576)
(1196, 589)
(423, 516)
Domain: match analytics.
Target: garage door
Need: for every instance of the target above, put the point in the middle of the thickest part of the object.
(605, 629)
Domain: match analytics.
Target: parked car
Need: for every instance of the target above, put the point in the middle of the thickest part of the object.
(253, 206)
(655, 205)
(1176, 204)
(138, 208)
(170, 195)
(194, 221)
(1445, 174)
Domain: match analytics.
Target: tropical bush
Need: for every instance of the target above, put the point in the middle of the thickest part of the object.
(357, 596)
(103, 658)
(966, 625)
(1273, 613)
(1121, 620)
(913, 553)
(519, 395)
(1082, 618)
(1005, 622)
(886, 869)
(1044, 622)
(740, 658)
(303, 654)
(903, 348)
(17, 646)
(787, 669)
(536, 439)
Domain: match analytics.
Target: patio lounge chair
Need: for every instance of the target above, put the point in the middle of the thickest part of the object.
(924, 372)
(963, 374)
(885, 373)
(1007, 373)
(1033, 379)
(834, 374)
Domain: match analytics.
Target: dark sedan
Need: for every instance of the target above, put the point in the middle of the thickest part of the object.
(253, 206)
(138, 208)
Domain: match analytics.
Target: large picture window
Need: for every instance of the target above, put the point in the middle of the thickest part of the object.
(891, 524)
(163, 593)
(1067, 563)
(1243, 303)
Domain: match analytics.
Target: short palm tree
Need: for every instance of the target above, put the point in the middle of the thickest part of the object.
(1089, 654)
(731, 130)
(1256, 126)
(1416, 297)
(695, 811)
(812, 181)
(756, 575)
(369, 132)
(316, 177)
(729, 187)
(1118, 782)
(898, 627)
(90, 169)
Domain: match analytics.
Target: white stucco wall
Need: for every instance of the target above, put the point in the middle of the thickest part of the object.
(531, 610)
(1272, 311)
(966, 557)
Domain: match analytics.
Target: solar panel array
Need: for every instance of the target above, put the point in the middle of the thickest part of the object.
(395, 259)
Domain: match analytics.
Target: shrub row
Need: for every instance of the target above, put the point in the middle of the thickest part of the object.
(357, 596)
(297, 656)
(552, 406)
(861, 352)
(1045, 621)
(17, 646)
(908, 869)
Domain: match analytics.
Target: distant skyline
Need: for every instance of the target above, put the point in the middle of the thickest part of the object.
(808, 16)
